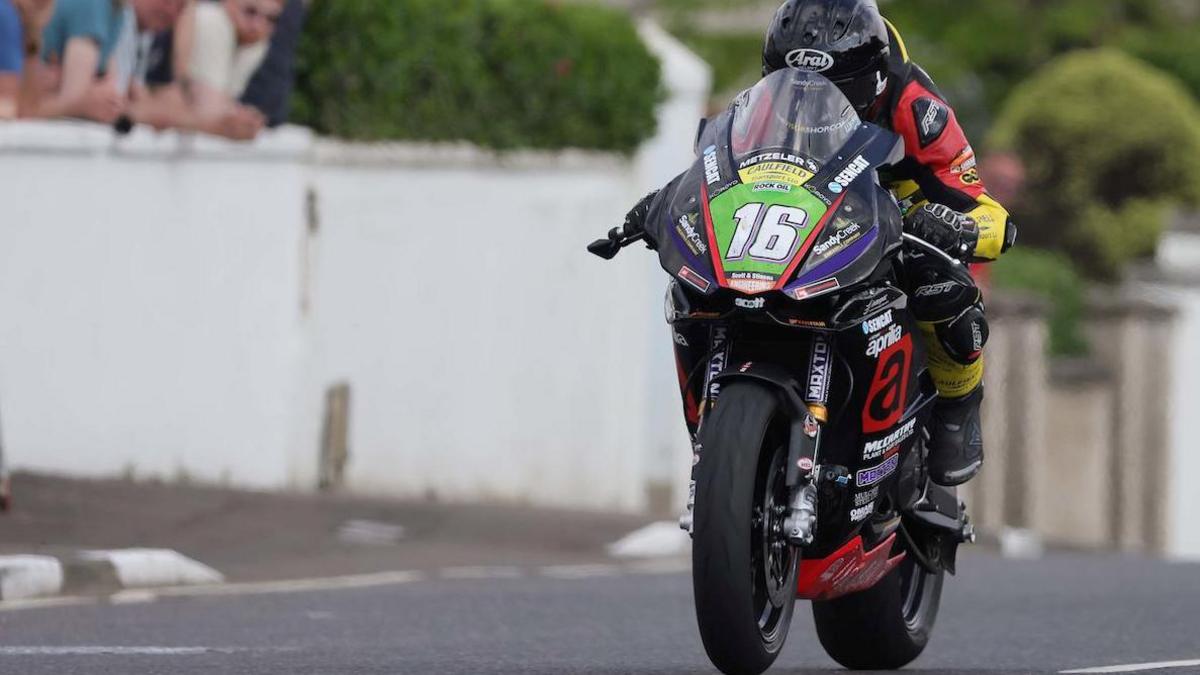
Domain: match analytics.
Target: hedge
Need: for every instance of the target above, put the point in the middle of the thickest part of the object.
(1053, 278)
(499, 73)
(1109, 146)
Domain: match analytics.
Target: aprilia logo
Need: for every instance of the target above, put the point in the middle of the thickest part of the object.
(880, 344)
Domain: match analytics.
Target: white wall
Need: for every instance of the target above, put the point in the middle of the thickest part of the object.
(148, 302)
(165, 309)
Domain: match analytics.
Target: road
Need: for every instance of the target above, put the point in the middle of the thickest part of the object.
(1000, 616)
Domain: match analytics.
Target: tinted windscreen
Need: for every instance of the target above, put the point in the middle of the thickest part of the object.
(793, 110)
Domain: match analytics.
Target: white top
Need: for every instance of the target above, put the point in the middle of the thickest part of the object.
(217, 60)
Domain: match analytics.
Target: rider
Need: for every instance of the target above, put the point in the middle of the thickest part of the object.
(938, 187)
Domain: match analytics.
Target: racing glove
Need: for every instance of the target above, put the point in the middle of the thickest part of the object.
(635, 220)
(955, 233)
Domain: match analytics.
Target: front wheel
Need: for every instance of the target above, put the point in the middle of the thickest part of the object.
(743, 569)
(886, 626)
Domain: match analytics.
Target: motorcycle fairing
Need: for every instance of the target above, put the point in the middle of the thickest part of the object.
(848, 570)
(837, 232)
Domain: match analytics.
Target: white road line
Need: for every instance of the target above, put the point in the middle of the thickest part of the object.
(132, 596)
(458, 573)
(43, 603)
(295, 585)
(1137, 667)
(579, 571)
(94, 650)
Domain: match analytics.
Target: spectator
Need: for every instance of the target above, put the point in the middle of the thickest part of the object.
(230, 40)
(94, 51)
(78, 46)
(21, 24)
(270, 89)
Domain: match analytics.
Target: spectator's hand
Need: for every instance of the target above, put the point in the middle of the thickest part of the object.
(241, 123)
(102, 102)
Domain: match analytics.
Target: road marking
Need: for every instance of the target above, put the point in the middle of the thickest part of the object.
(42, 603)
(458, 573)
(295, 585)
(579, 571)
(94, 650)
(132, 596)
(1137, 667)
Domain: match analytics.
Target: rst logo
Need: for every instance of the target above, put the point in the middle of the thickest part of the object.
(888, 394)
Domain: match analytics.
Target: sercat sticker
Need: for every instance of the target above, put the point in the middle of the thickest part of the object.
(887, 396)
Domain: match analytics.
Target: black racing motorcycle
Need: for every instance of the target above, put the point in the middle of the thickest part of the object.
(809, 479)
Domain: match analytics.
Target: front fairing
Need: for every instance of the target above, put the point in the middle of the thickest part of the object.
(761, 219)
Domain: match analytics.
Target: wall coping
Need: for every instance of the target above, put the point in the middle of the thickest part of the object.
(287, 144)
(1121, 303)
(1078, 371)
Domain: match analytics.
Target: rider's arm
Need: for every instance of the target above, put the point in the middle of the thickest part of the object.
(943, 162)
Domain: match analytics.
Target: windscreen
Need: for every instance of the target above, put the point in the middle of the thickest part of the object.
(794, 111)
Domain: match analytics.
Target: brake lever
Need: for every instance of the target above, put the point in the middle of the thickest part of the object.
(609, 247)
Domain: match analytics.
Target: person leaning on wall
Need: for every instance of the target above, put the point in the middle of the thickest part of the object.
(21, 24)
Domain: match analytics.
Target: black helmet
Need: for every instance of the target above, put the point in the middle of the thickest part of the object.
(847, 41)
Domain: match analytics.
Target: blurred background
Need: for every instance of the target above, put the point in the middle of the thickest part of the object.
(338, 247)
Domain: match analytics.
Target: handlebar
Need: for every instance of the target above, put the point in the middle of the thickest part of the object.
(609, 247)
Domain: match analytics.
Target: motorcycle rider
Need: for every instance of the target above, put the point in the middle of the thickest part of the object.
(939, 189)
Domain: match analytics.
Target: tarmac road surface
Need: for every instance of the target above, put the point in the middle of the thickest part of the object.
(1065, 611)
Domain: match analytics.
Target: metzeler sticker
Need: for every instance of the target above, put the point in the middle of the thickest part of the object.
(689, 275)
(876, 449)
(875, 474)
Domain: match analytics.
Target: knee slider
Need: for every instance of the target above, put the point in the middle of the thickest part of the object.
(964, 336)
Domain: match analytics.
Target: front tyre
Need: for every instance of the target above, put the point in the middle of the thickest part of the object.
(743, 570)
(885, 627)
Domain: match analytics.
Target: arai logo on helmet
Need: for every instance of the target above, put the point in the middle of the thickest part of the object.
(813, 60)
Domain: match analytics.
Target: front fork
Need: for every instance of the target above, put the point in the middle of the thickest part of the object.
(804, 437)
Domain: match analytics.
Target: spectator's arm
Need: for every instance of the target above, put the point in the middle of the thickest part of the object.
(11, 61)
(80, 94)
(10, 90)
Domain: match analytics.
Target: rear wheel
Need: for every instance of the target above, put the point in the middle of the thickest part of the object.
(743, 570)
(884, 627)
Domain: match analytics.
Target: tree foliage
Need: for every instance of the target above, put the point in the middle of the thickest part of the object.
(499, 73)
(1110, 148)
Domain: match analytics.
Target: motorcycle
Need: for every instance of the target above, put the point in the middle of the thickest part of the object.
(809, 477)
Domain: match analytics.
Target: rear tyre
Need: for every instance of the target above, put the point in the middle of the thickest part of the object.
(743, 570)
(884, 627)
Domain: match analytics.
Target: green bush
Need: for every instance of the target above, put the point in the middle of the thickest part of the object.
(499, 73)
(1110, 146)
(1053, 278)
